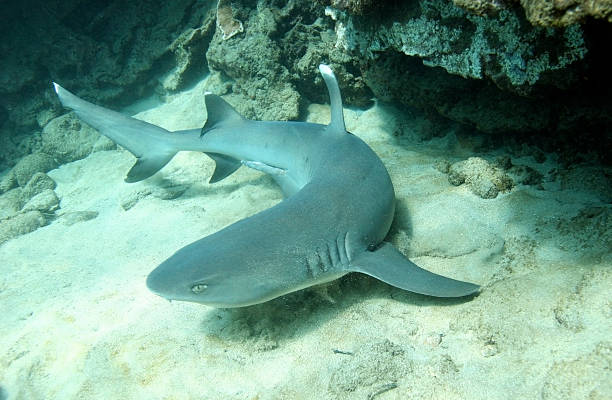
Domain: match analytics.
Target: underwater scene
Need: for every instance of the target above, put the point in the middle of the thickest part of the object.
(305, 199)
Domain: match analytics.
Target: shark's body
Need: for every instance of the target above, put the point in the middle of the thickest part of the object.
(339, 207)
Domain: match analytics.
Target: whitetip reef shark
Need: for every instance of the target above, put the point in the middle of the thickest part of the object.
(338, 208)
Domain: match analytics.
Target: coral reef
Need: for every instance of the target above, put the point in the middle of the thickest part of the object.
(119, 52)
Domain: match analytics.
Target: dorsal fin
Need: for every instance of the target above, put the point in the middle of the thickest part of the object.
(219, 112)
(337, 117)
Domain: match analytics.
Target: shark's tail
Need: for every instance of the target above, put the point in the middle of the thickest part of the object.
(146, 141)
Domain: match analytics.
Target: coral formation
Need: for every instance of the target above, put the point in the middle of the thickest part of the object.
(357, 7)
(443, 35)
(482, 7)
(226, 22)
(565, 12)
(544, 12)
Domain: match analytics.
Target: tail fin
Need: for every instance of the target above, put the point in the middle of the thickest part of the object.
(145, 141)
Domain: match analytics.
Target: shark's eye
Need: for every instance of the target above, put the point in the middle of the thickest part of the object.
(198, 288)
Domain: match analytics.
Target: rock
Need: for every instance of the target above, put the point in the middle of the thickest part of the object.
(358, 7)
(437, 35)
(370, 365)
(227, 24)
(564, 13)
(596, 180)
(253, 61)
(586, 377)
(14, 148)
(29, 165)
(73, 217)
(525, 175)
(21, 224)
(588, 233)
(103, 144)
(503, 162)
(8, 182)
(442, 166)
(545, 12)
(37, 184)
(481, 7)
(169, 192)
(164, 193)
(11, 202)
(484, 180)
(67, 139)
(131, 199)
(188, 49)
(45, 202)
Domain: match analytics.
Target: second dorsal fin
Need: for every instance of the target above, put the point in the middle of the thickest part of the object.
(337, 117)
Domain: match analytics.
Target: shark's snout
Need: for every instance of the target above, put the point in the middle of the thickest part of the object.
(157, 284)
(174, 279)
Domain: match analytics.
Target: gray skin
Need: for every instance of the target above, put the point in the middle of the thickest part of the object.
(338, 209)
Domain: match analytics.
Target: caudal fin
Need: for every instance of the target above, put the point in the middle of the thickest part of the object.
(146, 141)
(389, 265)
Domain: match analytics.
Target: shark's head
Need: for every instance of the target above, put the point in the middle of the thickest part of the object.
(176, 279)
(209, 275)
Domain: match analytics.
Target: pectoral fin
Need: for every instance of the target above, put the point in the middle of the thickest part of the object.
(389, 265)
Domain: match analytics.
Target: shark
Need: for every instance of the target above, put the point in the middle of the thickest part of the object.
(338, 206)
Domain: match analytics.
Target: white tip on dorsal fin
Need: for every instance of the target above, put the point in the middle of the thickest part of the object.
(337, 117)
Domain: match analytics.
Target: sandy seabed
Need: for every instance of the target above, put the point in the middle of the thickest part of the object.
(77, 321)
